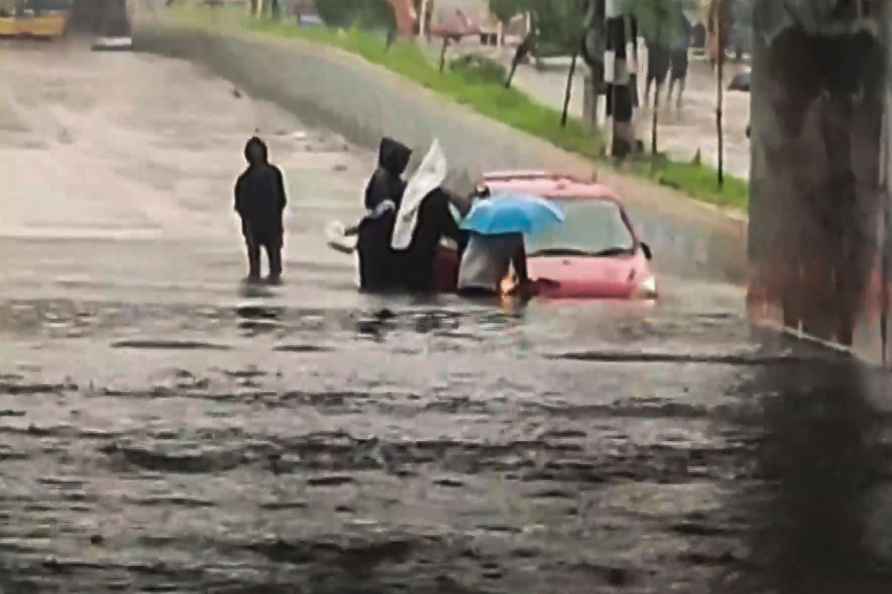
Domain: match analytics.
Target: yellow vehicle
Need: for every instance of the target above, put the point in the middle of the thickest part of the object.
(34, 18)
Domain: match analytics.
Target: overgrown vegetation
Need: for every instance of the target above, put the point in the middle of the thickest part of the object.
(696, 180)
(467, 86)
(478, 69)
(372, 14)
(479, 92)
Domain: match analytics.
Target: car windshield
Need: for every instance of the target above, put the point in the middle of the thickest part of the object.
(593, 228)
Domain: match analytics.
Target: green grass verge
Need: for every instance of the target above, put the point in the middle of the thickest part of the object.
(508, 106)
(697, 181)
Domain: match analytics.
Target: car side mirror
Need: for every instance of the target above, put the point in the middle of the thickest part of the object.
(647, 251)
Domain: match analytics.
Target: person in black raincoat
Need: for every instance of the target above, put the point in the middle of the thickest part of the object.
(260, 202)
(387, 182)
(435, 221)
(378, 265)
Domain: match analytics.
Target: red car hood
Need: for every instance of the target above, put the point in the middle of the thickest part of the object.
(615, 277)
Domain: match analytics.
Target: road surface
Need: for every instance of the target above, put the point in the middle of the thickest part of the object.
(165, 428)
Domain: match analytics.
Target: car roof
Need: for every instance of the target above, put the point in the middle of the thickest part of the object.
(549, 185)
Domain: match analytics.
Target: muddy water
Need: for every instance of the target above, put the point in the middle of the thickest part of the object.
(164, 428)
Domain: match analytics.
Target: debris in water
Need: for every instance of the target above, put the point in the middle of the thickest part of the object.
(329, 481)
(448, 482)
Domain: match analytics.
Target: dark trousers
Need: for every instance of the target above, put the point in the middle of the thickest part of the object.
(273, 254)
(478, 293)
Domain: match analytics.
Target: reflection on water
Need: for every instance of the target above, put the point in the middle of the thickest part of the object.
(434, 445)
(825, 462)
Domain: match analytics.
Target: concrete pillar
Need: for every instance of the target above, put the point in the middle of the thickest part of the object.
(815, 192)
(885, 264)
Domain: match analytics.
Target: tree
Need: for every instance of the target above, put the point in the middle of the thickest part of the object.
(505, 10)
(659, 22)
(741, 27)
(719, 23)
(560, 30)
(523, 50)
(560, 25)
(594, 44)
(374, 14)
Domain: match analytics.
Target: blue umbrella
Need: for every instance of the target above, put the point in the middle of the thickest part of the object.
(512, 213)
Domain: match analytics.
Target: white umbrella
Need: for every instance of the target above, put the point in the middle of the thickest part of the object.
(428, 177)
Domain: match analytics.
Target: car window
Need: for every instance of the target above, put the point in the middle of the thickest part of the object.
(591, 227)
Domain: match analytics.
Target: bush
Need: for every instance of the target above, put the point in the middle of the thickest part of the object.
(367, 14)
(478, 69)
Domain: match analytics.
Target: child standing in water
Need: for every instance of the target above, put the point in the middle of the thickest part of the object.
(260, 202)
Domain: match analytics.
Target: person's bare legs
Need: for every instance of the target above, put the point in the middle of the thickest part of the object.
(274, 255)
(253, 261)
(658, 88)
(681, 85)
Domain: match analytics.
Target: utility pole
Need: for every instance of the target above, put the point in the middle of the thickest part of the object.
(422, 23)
(620, 71)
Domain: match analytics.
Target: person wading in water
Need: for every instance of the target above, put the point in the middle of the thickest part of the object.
(260, 202)
(378, 266)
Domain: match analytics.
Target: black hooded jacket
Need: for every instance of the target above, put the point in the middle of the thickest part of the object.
(260, 196)
(435, 222)
(379, 265)
(386, 183)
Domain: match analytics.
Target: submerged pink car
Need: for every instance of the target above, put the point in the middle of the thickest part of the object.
(595, 253)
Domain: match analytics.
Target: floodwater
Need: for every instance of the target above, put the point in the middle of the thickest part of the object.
(164, 428)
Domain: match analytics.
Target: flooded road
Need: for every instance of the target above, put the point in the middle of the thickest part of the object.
(164, 428)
